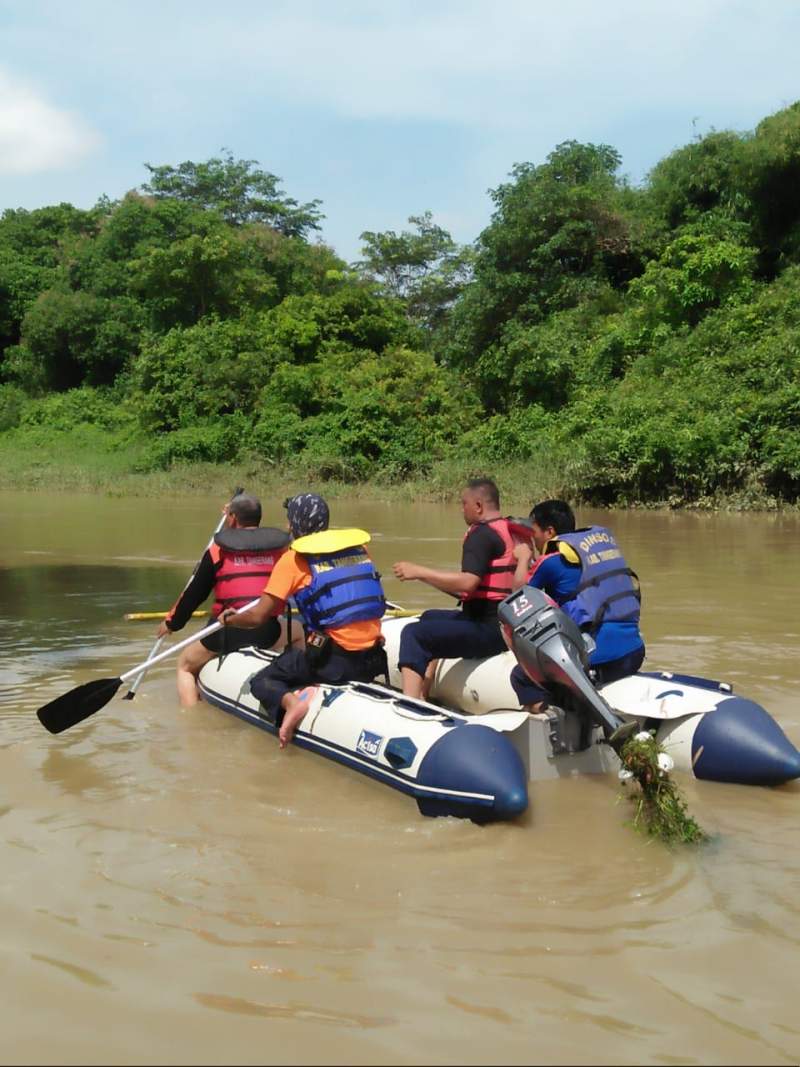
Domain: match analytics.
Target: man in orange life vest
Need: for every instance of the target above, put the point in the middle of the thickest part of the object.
(487, 567)
(339, 596)
(236, 567)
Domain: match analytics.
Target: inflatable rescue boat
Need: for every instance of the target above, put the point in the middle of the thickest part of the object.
(471, 751)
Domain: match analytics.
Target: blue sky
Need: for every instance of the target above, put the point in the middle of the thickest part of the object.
(381, 111)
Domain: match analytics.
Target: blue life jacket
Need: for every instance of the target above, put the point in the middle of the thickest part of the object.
(608, 590)
(345, 587)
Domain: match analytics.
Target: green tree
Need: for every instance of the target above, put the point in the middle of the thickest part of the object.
(698, 178)
(425, 268)
(562, 234)
(74, 338)
(212, 270)
(31, 250)
(694, 274)
(238, 190)
(354, 414)
(770, 177)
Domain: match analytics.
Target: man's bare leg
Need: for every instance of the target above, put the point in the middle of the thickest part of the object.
(190, 662)
(295, 706)
(427, 681)
(412, 683)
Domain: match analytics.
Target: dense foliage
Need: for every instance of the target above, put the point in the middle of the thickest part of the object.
(646, 339)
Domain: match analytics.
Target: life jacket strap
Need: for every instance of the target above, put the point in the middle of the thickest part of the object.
(347, 580)
(604, 577)
(262, 573)
(379, 603)
(632, 616)
(502, 591)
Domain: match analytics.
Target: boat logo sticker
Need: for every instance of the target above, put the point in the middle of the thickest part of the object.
(369, 744)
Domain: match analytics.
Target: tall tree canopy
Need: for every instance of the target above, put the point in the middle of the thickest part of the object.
(236, 188)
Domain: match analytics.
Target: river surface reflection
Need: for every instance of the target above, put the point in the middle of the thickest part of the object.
(175, 890)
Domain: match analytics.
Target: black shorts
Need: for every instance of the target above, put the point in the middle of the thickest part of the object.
(232, 638)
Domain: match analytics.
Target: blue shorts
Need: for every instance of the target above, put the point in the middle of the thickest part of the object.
(442, 634)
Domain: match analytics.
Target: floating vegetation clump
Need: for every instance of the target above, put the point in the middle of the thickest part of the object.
(660, 809)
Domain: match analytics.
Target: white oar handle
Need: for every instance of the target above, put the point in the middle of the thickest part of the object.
(212, 629)
(138, 680)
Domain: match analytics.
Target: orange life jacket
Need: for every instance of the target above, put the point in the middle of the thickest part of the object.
(496, 583)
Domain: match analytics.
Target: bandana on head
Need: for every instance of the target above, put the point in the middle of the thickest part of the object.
(307, 514)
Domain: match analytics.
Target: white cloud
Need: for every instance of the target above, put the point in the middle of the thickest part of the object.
(35, 136)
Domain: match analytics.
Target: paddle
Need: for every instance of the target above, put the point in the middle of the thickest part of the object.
(83, 701)
(148, 616)
(160, 641)
(396, 611)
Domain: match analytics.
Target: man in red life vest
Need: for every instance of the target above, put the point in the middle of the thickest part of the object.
(236, 567)
(485, 578)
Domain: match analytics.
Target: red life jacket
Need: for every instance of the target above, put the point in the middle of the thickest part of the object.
(244, 559)
(496, 583)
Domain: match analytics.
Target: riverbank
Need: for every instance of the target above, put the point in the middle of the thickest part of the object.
(92, 460)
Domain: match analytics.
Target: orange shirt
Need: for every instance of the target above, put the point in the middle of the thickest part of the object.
(293, 573)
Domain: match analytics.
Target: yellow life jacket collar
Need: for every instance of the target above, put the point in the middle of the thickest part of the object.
(565, 550)
(319, 544)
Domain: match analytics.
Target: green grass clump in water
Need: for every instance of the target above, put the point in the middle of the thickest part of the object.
(660, 809)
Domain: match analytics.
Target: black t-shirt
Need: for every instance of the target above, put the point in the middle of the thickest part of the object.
(481, 546)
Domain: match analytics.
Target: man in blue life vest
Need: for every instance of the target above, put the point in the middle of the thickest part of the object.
(485, 578)
(235, 567)
(339, 595)
(585, 573)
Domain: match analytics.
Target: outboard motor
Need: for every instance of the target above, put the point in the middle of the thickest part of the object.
(554, 654)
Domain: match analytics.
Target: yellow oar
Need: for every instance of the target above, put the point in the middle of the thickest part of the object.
(147, 616)
(394, 611)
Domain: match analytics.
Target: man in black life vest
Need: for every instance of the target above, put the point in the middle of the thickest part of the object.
(487, 568)
(235, 566)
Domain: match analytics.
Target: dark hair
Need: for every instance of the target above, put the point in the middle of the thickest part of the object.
(555, 513)
(246, 508)
(486, 488)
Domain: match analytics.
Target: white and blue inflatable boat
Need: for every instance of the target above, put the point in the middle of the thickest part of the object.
(471, 751)
(451, 764)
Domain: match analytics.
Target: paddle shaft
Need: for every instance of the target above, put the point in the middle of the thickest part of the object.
(148, 616)
(211, 629)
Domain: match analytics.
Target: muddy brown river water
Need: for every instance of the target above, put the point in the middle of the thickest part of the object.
(174, 890)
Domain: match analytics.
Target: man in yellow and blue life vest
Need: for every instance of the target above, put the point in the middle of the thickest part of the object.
(485, 578)
(235, 567)
(585, 573)
(339, 595)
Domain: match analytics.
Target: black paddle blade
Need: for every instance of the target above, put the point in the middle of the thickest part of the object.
(78, 704)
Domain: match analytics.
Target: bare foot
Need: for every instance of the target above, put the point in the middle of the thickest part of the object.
(295, 707)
